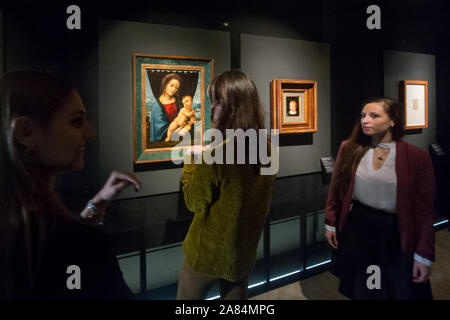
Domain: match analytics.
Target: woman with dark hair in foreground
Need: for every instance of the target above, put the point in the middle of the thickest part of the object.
(45, 253)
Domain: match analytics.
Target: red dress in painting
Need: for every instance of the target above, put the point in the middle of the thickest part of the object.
(171, 111)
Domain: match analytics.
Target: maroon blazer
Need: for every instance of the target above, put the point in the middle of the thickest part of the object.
(415, 200)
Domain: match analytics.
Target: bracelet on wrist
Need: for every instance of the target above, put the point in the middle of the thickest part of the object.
(94, 212)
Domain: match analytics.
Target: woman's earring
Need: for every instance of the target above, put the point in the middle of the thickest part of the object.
(29, 156)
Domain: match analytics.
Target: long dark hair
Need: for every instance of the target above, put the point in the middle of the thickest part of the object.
(358, 143)
(236, 96)
(37, 95)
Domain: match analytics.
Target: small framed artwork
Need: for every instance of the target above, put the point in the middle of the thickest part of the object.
(293, 105)
(170, 105)
(414, 95)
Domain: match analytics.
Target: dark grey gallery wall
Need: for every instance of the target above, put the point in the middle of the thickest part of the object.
(266, 58)
(400, 66)
(1, 43)
(35, 36)
(117, 42)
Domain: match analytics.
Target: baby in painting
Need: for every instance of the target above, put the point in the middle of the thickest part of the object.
(292, 109)
(184, 120)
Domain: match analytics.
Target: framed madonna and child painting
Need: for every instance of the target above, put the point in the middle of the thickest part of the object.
(170, 105)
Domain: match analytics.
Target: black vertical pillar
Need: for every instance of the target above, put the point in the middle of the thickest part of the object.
(357, 70)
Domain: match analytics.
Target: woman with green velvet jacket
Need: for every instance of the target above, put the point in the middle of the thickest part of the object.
(230, 201)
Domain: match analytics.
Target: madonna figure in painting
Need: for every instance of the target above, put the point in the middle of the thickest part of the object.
(166, 108)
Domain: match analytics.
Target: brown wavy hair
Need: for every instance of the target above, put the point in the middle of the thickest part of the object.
(236, 93)
(358, 143)
(240, 106)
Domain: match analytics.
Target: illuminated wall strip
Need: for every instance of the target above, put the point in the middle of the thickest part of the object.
(438, 223)
(297, 271)
(319, 264)
(285, 275)
(257, 284)
(251, 286)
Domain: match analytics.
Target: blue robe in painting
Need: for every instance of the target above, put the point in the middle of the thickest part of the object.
(159, 122)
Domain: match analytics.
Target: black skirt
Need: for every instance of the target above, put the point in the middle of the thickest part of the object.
(371, 237)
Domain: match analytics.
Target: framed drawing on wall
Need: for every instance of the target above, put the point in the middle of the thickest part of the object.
(170, 105)
(293, 105)
(414, 95)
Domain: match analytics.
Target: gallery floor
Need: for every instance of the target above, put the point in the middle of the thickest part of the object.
(324, 286)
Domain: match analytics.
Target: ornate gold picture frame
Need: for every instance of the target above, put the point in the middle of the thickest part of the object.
(170, 103)
(293, 106)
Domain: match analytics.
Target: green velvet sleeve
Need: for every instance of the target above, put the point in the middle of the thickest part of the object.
(199, 185)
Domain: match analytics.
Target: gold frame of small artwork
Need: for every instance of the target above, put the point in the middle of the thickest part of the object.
(304, 118)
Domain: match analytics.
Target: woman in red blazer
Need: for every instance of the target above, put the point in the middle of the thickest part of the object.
(381, 203)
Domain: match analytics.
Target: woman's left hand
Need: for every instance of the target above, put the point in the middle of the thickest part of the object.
(115, 183)
(421, 272)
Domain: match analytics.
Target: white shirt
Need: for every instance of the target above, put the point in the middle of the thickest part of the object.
(377, 188)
